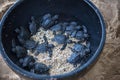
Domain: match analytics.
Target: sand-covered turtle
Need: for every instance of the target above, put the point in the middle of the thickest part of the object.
(33, 26)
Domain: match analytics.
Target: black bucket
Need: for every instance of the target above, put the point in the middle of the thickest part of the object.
(20, 13)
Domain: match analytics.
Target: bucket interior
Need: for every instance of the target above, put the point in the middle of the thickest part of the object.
(78, 9)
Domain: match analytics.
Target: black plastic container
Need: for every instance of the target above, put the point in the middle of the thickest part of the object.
(20, 13)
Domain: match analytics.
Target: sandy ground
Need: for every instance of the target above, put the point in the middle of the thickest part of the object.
(108, 65)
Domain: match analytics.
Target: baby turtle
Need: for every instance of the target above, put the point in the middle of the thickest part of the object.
(73, 23)
(70, 28)
(48, 21)
(20, 39)
(33, 26)
(20, 51)
(27, 60)
(59, 38)
(77, 47)
(30, 44)
(46, 16)
(41, 68)
(74, 58)
(85, 51)
(41, 48)
(56, 27)
(80, 35)
(81, 49)
(23, 35)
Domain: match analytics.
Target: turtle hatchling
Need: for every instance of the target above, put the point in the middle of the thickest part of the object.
(80, 35)
(41, 68)
(33, 26)
(41, 48)
(74, 58)
(24, 34)
(20, 51)
(30, 44)
(56, 27)
(46, 16)
(73, 23)
(27, 60)
(60, 39)
(77, 47)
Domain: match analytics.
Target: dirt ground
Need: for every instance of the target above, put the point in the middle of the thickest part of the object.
(108, 65)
